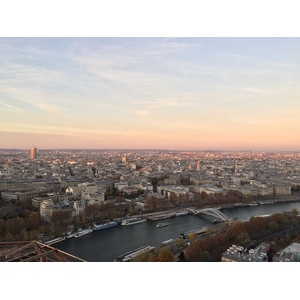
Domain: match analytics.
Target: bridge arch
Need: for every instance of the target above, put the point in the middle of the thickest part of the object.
(211, 212)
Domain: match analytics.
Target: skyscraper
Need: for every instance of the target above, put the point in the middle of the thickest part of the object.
(33, 153)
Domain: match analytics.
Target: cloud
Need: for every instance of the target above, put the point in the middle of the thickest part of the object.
(31, 98)
(10, 106)
(161, 102)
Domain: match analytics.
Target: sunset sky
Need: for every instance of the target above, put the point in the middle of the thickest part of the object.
(150, 93)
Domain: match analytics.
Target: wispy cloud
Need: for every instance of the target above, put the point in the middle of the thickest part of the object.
(32, 98)
(10, 106)
(158, 103)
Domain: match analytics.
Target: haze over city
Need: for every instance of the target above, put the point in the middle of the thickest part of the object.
(150, 93)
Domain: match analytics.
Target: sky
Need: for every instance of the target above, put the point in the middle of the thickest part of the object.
(150, 93)
(90, 74)
(193, 76)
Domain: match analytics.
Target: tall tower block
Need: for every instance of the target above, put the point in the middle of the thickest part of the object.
(33, 153)
(236, 169)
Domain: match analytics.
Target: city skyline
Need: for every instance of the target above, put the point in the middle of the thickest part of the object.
(150, 93)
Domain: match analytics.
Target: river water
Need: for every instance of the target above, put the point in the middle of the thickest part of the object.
(106, 245)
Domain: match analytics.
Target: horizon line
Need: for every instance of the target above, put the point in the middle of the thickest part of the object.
(145, 149)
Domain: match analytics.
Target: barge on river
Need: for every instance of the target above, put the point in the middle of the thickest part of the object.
(82, 232)
(197, 231)
(104, 226)
(55, 241)
(132, 221)
(132, 254)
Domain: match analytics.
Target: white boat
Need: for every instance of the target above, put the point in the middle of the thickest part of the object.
(159, 225)
(132, 221)
(132, 254)
(70, 235)
(104, 226)
(181, 213)
(82, 232)
(54, 241)
(262, 216)
(168, 242)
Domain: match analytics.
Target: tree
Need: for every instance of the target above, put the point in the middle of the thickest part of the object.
(119, 199)
(205, 256)
(192, 236)
(243, 237)
(34, 220)
(173, 198)
(203, 196)
(181, 256)
(165, 255)
(273, 226)
(151, 202)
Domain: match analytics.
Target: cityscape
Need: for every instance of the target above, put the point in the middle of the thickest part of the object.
(160, 134)
(47, 195)
(102, 133)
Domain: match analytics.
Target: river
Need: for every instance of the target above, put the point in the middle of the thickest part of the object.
(106, 245)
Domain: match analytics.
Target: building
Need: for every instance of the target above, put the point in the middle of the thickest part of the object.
(290, 253)
(179, 191)
(78, 207)
(46, 209)
(33, 152)
(239, 254)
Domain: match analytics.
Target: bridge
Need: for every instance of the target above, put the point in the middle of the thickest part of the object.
(211, 212)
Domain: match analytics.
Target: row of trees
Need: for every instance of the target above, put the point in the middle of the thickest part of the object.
(257, 228)
(27, 227)
(18, 224)
(200, 200)
(210, 248)
(157, 255)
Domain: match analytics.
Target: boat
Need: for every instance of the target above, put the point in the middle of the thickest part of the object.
(253, 204)
(197, 231)
(240, 204)
(181, 213)
(132, 254)
(132, 221)
(168, 242)
(161, 216)
(54, 241)
(216, 221)
(262, 216)
(159, 225)
(82, 232)
(104, 226)
(70, 235)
